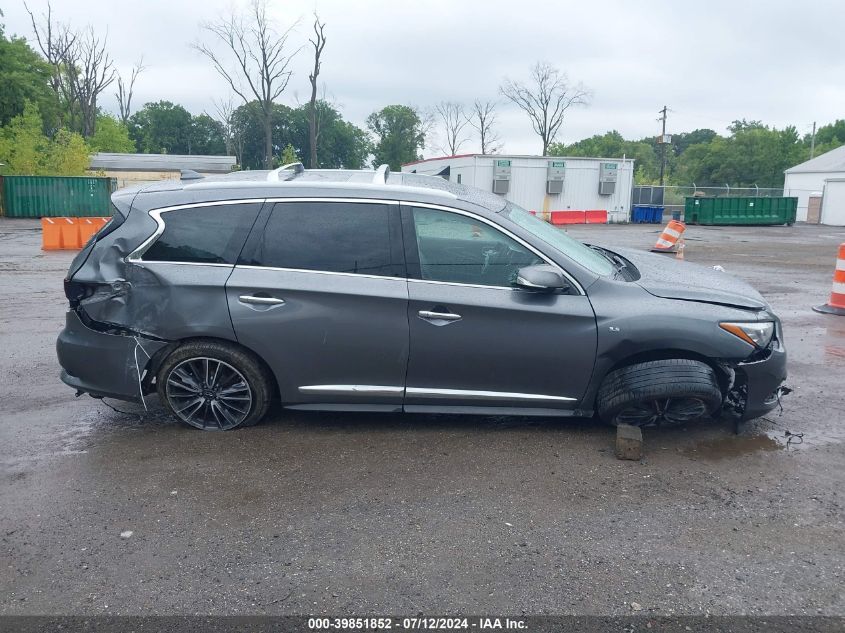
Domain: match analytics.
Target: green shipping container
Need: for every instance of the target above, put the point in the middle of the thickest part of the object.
(56, 196)
(749, 211)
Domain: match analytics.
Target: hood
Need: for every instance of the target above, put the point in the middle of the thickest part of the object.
(664, 276)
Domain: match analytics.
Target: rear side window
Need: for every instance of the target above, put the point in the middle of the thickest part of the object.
(343, 237)
(205, 235)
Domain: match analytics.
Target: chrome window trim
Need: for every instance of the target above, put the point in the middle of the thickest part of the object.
(135, 256)
(319, 272)
(473, 394)
(500, 228)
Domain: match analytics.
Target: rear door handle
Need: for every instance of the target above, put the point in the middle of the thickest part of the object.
(261, 301)
(439, 316)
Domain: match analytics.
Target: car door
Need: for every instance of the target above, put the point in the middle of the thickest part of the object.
(321, 294)
(475, 340)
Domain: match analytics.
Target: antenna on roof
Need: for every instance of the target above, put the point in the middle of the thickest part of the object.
(296, 168)
(381, 175)
(189, 174)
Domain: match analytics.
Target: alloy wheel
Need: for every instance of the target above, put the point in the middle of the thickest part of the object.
(662, 412)
(208, 393)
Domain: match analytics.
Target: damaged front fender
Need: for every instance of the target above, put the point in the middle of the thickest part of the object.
(105, 365)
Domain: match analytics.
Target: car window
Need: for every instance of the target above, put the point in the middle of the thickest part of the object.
(210, 235)
(460, 249)
(556, 238)
(344, 237)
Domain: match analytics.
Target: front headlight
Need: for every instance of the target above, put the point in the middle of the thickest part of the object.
(757, 334)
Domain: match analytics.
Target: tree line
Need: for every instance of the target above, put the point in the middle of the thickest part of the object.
(51, 117)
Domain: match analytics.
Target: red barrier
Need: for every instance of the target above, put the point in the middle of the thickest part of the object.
(595, 217)
(559, 218)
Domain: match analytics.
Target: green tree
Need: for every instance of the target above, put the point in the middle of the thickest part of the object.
(26, 150)
(24, 76)
(613, 145)
(22, 142)
(340, 144)
(400, 135)
(161, 127)
(206, 136)
(68, 155)
(289, 155)
(111, 136)
(828, 137)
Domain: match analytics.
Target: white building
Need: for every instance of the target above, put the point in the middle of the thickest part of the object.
(139, 169)
(822, 176)
(543, 183)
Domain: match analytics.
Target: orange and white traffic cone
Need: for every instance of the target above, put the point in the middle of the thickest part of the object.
(682, 243)
(836, 303)
(668, 240)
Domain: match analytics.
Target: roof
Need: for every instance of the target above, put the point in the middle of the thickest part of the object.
(527, 156)
(320, 182)
(832, 161)
(163, 162)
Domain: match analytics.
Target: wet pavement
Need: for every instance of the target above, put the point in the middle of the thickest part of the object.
(342, 513)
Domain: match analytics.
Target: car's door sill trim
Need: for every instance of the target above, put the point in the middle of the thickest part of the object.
(430, 393)
(345, 390)
(470, 394)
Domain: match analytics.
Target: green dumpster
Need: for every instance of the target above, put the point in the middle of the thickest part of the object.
(56, 196)
(736, 210)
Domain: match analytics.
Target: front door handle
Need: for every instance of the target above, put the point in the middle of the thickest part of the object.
(439, 316)
(261, 301)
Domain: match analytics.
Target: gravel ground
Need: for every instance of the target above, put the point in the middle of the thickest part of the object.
(400, 514)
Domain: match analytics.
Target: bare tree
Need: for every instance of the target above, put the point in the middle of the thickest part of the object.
(57, 43)
(546, 99)
(90, 71)
(225, 111)
(483, 118)
(454, 121)
(124, 91)
(319, 43)
(261, 64)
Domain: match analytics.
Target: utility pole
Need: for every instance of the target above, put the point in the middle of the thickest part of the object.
(663, 145)
(813, 141)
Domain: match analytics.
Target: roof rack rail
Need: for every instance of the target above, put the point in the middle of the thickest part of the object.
(296, 168)
(381, 175)
(189, 174)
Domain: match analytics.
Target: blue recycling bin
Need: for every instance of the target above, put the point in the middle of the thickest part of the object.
(647, 214)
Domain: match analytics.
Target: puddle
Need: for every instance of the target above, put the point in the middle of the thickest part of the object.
(737, 446)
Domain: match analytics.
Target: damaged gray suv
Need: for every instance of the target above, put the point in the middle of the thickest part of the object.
(371, 291)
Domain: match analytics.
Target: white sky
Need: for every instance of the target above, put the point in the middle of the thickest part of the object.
(710, 62)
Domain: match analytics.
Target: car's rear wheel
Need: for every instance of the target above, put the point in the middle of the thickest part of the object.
(214, 386)
(659, 393)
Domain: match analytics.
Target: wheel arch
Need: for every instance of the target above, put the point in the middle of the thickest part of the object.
(159, 357)
(663, 354)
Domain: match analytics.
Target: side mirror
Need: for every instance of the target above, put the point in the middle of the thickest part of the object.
(540, 278)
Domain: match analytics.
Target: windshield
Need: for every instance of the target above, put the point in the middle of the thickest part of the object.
(556, 238)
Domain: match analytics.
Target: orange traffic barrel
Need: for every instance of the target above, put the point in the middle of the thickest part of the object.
(668, 240)
(51, 234)
(836, 303)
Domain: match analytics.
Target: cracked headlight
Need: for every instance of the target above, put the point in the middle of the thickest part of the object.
(758, 334)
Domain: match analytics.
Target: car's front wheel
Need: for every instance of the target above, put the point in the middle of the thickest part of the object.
(214, 386)
(659, 393)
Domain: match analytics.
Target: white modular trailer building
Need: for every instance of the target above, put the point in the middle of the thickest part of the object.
(816, 177)
(542, 183)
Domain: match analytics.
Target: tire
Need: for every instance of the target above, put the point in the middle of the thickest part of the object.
(214, 386)
(659, 393)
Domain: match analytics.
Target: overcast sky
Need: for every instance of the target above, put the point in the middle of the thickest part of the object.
(710, 62)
